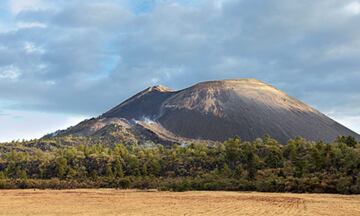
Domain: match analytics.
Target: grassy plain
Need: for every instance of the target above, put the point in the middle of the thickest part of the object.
(132, 202)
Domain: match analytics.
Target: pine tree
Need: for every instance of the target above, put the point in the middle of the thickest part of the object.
(108, 170)
(118, 169)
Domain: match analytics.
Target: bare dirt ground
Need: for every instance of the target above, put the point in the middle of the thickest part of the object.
(131, 202)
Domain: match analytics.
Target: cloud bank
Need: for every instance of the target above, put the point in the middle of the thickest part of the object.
(83, 57)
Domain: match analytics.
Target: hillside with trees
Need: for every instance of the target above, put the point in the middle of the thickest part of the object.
(261, 165)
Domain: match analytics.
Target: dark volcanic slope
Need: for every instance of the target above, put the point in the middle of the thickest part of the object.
(144, 104)
(217, 110)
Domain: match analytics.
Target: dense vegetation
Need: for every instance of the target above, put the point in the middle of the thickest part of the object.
(262, 165)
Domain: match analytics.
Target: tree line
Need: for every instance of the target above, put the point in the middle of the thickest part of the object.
(261, 165)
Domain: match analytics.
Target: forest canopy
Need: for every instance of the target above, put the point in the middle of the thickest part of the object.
(261, 165)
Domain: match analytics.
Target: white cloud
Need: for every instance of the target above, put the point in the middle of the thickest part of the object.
(25, 25)
(50, 82)
(219, 3)
(41, 66)
(155, 80)
(17, 6)
(9, 72)
(30, 47)
(353, 8)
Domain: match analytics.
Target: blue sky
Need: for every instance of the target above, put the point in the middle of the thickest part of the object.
(63, 61)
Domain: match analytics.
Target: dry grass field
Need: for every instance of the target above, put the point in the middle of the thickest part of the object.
(132, 202)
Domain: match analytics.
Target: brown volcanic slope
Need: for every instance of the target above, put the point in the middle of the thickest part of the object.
(217, 110)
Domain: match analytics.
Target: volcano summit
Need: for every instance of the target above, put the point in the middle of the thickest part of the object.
(215, 111)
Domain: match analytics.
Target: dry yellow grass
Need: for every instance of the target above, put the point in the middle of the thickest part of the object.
(131, 202)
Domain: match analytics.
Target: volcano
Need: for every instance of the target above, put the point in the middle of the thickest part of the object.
(216, 111)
